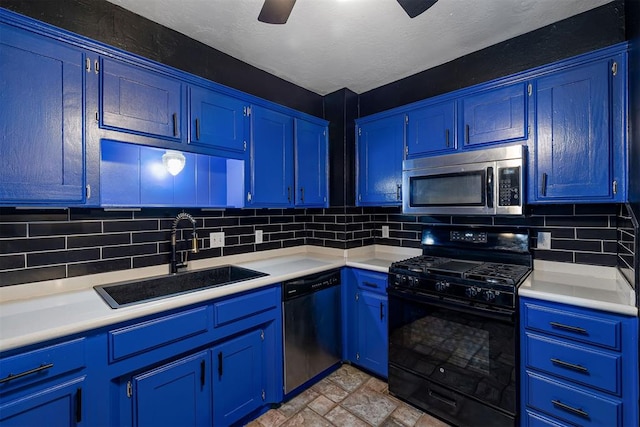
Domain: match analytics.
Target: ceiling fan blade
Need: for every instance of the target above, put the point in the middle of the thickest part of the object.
(276, 11)
(416, 7)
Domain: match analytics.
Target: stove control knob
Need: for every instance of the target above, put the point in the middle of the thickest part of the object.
(400, 279)
(413, 281)
(441, 286)
(489, 295)
(471, 292)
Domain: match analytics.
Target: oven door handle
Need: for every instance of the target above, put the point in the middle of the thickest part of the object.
(505, 316)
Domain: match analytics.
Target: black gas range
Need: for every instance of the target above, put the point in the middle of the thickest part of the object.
(452, 323)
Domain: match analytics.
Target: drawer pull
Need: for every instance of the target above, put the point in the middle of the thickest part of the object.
(370, 284)
(575, 329)
(442, 398)
(571, 366)
(570, 409)
(25, 373)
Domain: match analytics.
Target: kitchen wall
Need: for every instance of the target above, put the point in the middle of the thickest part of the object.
(46, 244)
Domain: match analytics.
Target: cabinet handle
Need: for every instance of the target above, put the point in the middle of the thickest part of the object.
(466, 134)
(442, 398)
(543, 185)
(302, 194)
(198, 129)
(78, 405)
(570, 409)
(289, 194)
(568, 365)
(575, 329)
(370, 284)
(220, 363)
(175, 124)
(446, 137)
(381, 311)
(202, 373)
(25, 373)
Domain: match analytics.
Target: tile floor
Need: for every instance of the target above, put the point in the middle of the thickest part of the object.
(346, 398)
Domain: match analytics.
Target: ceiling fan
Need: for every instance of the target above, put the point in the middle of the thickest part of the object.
(278, 11)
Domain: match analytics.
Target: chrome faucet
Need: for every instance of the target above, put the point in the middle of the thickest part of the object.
(174, 265)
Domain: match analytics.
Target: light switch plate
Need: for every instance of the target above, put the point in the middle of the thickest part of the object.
(258, 236)
(216, 240)
(385, 231)
(544, 240)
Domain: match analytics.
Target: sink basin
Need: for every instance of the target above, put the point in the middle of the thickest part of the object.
(143, 290)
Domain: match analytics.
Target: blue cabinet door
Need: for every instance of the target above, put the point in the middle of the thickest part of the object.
(497, 115)
(372, 351)
(573, 150)
(217, 120)
(42, 120)
(238, 377)
(380, 154)
(58, 405)
(135, 99)
(311, 150)
(271, 175)
(177, 394)
(431, 130)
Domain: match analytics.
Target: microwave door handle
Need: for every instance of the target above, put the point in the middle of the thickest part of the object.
(490, 187)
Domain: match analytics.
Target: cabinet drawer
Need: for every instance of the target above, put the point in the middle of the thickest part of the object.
(533, 419)
(371, 281)
(134, 339)
(578, 363)
(238, 308)
(572, 404)
(31, 367)
(601, 330)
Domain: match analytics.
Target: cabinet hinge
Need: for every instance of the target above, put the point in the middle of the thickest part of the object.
(246, 111)
(129, 389)
(615, 187)
(406, 150)
(406, 119)
(360, 197)
(264, 395)
(357, 296)
(248, 196)
(88, 191)
(324, 132)
(262, 334)
(529, 89)
(87, 64)
(359, 131)
(244, 145)
(614, 68)
(324, 199)
(357, 356)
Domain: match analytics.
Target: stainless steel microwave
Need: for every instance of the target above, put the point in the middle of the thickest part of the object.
(480, 182)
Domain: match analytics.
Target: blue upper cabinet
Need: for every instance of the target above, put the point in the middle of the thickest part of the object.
(141, 101)
(311, 157)
(580, 136)
(380, 147)
(217, 121)
(270, 179)
(496, 115)
(42, 120)
(431, 129)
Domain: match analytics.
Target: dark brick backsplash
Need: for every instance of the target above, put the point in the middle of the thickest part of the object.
(50, 244)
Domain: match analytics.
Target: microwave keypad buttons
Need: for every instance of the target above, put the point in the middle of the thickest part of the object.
(509, 187)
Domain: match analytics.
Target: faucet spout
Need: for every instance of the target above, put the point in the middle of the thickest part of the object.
(174, 265)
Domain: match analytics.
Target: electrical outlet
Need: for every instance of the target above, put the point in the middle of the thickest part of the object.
(385, 231)
(258, 236)
(216, 240)
(544, 240)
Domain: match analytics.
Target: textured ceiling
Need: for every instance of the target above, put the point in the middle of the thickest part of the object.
(328, 45)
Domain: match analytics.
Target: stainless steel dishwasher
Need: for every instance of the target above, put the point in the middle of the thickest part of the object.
(312, 332)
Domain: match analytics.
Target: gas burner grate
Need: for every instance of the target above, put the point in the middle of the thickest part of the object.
(419, 264)
(508, 274)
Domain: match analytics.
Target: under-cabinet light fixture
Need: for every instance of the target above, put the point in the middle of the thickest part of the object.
(174, 161)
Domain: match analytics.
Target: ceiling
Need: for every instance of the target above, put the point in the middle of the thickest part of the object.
(327, 45)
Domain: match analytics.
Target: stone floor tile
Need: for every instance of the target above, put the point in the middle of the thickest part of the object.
(428, 421)
(369, 405)
(297, 403)
(348, 377)
(307, 418)
(343, 418)
(330, 390)
(376, 385)
(391, 422)
(321, 405)
(406, 415)
(272, 418)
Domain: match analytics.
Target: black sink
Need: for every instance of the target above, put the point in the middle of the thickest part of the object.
(143, 290)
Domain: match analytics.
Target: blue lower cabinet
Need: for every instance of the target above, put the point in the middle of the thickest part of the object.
(177, 394)
(57, 404)
(238, 377)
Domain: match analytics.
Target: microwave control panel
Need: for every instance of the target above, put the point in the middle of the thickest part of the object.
(509, 190)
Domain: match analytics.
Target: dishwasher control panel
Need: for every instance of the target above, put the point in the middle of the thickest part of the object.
(308, 284)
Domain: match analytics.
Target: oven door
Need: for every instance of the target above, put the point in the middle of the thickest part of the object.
(468, 350)
(464, 189)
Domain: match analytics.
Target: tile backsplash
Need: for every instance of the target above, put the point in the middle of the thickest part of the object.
(43, 244)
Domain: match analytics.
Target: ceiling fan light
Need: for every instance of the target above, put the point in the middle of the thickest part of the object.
(173, 161)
